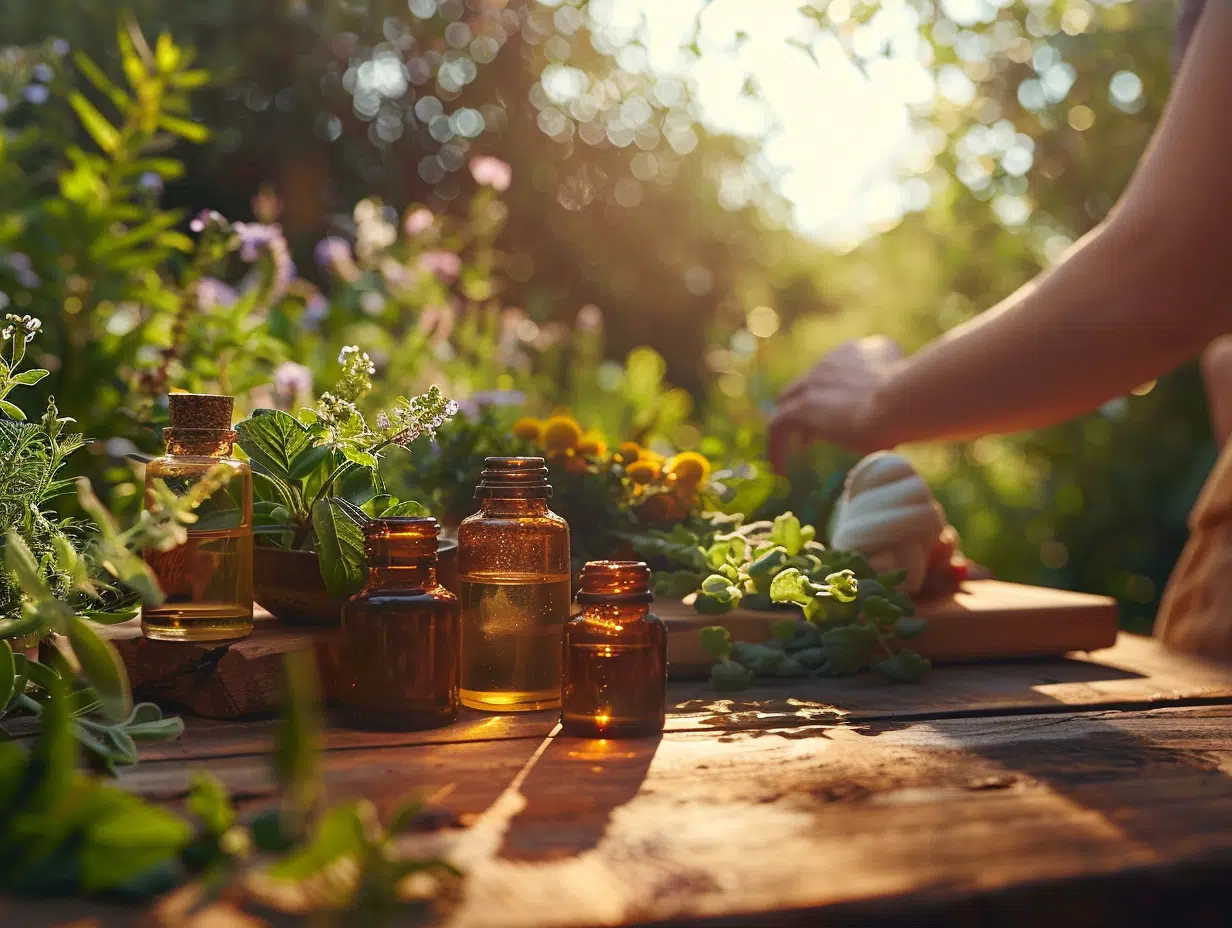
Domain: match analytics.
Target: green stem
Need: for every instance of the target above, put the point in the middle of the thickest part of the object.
(336, 474)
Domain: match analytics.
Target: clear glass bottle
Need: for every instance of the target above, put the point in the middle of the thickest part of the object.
(400, 633)
(207, 581)
(615, 655)
(513, 567)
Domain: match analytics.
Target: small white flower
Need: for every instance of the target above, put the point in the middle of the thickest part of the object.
(346, 352)
(382, 421)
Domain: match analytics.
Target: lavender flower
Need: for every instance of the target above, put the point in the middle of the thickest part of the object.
(42, 72)
(59, 47)
(206, 219)
(292, 380)
(335, 254)
(315, 310)
(444, 264)
(491, 172)
(36, 94)
(213, 293)
(418, 221)
(152, 182)
(255, 237)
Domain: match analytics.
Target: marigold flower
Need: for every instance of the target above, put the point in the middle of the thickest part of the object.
(592, 445)
(688, 468)
(528, 429)
(561, 433)
(642, 472)
(628, 452)
(661, 507)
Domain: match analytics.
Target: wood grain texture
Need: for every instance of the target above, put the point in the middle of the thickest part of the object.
(986, 619)
(812, 819)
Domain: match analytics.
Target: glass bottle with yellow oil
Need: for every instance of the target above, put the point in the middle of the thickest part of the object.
(615, 654)
(206, 581)
(513, 567)
(399, 636)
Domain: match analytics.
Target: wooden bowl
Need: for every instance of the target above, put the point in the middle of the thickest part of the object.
(289, 585)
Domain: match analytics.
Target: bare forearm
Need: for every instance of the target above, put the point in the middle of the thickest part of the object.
(1128, 305)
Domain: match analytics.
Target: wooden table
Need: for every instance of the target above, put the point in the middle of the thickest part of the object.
(1094, 790)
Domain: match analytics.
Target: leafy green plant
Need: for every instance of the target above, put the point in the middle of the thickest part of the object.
(68, 576)
(318, 473)
(850, 617)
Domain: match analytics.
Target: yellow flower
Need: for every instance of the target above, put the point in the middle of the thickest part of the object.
(592, 445)
(688, 468)
(659, 508)
(561, 433)
(642, 472)
(628, 452)
(528, 428)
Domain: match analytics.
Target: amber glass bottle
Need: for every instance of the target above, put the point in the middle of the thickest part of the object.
(207, 581)
(615, 653)
(399, 637)
(513, 566)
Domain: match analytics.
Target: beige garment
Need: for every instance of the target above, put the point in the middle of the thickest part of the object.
(1196, 612)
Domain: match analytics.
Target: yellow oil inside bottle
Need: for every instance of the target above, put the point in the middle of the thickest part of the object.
(207, 582)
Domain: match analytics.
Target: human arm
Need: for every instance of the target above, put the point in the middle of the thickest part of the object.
(1146, 290)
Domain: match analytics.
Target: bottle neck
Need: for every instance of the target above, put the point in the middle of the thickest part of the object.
(419, 575)
(615, 614)
(206, 443)
(492, 506)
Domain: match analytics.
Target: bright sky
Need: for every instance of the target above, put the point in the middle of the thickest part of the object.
(837, 139)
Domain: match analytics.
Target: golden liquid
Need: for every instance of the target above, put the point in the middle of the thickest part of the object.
(207, 582)
(511, 640)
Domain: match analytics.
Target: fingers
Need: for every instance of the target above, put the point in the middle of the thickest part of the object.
(791, 430)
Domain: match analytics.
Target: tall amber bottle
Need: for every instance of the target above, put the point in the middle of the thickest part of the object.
(207, 581)
(615, 680)
(513, 566)
(400, 633)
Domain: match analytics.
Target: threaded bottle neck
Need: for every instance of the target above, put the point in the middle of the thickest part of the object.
(615, 583)
(401, 552)
(514, 478)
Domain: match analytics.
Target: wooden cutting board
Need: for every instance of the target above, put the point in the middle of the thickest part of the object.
(986, 619)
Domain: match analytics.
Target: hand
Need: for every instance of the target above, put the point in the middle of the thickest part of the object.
(833, 402)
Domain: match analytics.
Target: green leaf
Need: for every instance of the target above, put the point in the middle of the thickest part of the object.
(13, 412)
(340, 833)
(101, 665)
(880, 610)
(907, 628)
(101, 82)
(109, 618)
(94, 122)
(8, 674)
(791, 586)
(717, 642)
(730, 677)
(848, 648)
(786, 532)
(296, 748)
(405, 814)
(273, 440)
(784, 629)
(146, 723)
(359, 457)
(183, 128)
(209, 800)
(843, 585)
(19, 559)
(30, 377)
(904, 667)
(404, 509)
(125, 837)
(340, 548)
(307, 460)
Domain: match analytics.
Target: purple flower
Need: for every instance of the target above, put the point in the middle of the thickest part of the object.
(42, 72)
(36, 94)
(315, 310)
(418, 221)
(207, 218)
(151, 181)
(59, 47)
(292, 380)
(212, 293)
(335, 254)
(255, 237)
(491, 172)
(444, 264)
(24, 270)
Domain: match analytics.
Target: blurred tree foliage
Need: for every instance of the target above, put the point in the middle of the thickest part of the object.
(1035, 114)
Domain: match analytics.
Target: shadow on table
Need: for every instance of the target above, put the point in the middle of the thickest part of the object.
(572, 792)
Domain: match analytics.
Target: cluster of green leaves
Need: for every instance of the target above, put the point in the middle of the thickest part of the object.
(67, 576)
(64, 832)
(318, 475)
(850, 617)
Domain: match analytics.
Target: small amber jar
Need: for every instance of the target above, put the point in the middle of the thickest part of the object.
(513, 569)
(207, 580)
(615, 655)
(400, 633)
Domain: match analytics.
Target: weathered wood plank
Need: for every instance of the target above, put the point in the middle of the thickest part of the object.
(1136, 673)
(810, 818)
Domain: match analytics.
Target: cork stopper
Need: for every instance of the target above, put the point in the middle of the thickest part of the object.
(200, 410)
